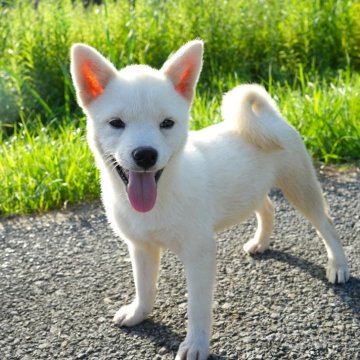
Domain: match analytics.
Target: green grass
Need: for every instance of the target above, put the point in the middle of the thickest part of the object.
(242, 37)
(306, 53)
(50, 169)
(53, 166)
(325, 112)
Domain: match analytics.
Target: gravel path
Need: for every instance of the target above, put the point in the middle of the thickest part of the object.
(64, 274)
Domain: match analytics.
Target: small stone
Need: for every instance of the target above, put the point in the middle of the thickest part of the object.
(53, 329)
(274, 315)
(44, 345)
(247, 340)
(26, 357)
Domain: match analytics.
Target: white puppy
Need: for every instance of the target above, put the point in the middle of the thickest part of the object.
(165, 187)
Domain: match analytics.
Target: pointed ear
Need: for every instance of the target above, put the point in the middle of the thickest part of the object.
(183, 68)
(90, 72)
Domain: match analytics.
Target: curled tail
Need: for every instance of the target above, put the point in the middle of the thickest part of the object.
(250, 111)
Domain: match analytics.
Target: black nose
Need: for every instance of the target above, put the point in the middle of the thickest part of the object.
(145, 157)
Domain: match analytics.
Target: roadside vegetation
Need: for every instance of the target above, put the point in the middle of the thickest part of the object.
(306, 53)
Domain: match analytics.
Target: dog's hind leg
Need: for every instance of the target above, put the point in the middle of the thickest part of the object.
(265, 218)
(302, 189)
(145, 262)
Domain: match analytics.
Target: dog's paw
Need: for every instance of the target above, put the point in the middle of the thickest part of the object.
(193, 350)
(337, 273)
(129, 315)
(256, 246)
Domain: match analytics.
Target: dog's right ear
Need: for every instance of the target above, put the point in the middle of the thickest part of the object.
(91, 73)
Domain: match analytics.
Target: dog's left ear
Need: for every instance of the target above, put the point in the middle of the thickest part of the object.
(183, 68)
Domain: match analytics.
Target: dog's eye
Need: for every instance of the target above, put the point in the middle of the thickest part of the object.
(117, 123)
(167, 124)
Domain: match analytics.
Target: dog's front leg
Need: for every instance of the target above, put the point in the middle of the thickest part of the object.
(200, 269)
(145, 261)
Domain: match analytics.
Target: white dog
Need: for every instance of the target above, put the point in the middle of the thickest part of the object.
(165, 187)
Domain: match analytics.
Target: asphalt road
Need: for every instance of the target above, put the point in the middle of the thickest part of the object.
(64, 274)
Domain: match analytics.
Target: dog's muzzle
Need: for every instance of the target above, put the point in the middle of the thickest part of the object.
(124, 173)
(141, 187)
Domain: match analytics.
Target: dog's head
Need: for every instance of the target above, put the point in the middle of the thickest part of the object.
(138, 116)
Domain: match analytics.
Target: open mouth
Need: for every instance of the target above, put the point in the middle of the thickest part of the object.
(141, 186)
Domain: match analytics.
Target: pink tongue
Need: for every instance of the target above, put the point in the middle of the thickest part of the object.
(142, 190)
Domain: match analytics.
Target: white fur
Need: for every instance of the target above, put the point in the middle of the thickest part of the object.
(212, 178)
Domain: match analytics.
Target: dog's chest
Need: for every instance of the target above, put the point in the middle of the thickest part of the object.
(146, 228)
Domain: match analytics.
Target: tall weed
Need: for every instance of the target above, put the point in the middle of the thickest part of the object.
(306, 53)
(242, 38)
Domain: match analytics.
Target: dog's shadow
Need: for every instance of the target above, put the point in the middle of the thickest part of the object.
(162, 336)
(349, 293)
